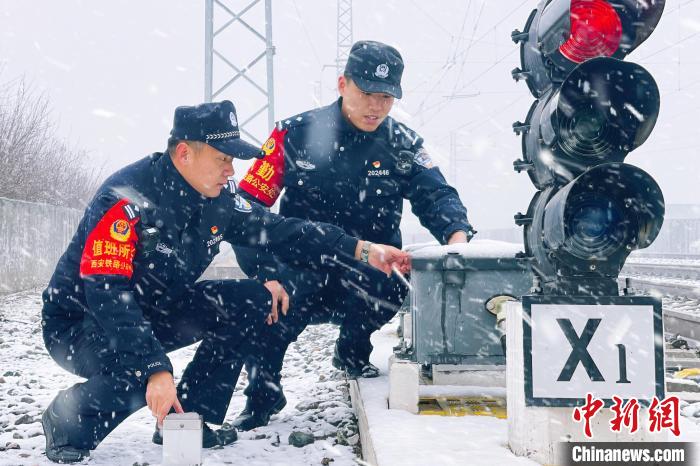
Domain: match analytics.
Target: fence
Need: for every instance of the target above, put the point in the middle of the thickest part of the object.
(32, 239)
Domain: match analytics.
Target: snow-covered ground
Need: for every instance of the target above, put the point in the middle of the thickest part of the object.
(318, 403)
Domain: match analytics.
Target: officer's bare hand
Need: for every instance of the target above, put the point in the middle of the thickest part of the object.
(387, 258)
(161, 395)
(279, 295)
(459, 237)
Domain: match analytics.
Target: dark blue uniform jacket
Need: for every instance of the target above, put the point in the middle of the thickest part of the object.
(335, 173)
(99, 288)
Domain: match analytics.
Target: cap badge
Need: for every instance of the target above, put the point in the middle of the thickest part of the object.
(232, 116)
(382, 71)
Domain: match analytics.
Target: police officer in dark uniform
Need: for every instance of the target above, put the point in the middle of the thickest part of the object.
(125, 292)
(351, 165)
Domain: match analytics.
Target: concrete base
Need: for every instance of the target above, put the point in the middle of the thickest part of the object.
(476, 376)
(368, 453)
(404, 379)
(535, 432)
(405, 382)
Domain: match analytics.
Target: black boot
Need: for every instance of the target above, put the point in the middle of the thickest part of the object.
(256, 414)
(354, 369)
(210, 438)
(57, 448)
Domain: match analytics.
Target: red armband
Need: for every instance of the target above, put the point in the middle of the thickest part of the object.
(265, 178)
(110, 247)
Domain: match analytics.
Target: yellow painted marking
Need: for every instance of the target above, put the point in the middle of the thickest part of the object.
(463, 406)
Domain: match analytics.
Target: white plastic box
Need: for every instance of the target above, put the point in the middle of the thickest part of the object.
(182, 439)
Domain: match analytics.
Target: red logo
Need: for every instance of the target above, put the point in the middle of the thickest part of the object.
(663, 414)
(214, 230)
(120, 230)
(376, 164)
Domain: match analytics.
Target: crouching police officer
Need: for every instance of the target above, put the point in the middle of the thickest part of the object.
(351, 165)
(124, 292)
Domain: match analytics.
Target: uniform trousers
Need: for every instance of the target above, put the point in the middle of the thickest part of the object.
(224, 315)
(357, 297)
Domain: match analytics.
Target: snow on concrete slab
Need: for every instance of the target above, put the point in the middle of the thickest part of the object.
(401, 438)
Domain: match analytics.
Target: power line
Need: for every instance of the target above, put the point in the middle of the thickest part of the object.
(306, 32)
(496, 63)
(466, 54)
(441, 105)
(436, 22)
(471, 43)
(449, 62)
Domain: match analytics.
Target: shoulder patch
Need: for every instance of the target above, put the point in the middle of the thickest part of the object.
(111, 245)
(422, 158)
(242, 205)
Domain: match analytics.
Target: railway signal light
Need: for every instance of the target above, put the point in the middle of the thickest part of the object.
(591, 209)
(560, 34)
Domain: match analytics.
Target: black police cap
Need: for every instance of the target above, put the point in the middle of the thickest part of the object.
(375, 67)
(216, 124)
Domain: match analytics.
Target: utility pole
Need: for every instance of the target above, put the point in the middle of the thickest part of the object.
(344, 44)
(220, 64)
(343, 34)
(453, 158)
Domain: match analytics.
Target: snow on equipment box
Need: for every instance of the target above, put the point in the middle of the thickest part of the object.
(449, 322)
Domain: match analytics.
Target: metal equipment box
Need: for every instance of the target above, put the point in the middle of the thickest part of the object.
(449, 321)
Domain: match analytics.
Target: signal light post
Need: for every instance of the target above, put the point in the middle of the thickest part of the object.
(591, 209)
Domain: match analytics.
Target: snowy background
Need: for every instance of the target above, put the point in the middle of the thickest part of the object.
(115, 70)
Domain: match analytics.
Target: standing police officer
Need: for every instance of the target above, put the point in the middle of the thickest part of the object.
(351, 165)
(124, 292)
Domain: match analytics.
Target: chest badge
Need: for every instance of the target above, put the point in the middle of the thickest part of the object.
(164, 249)
(376, 164)
(214, 230)
(305, 165)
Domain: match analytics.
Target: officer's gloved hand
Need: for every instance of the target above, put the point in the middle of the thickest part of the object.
(389, 259)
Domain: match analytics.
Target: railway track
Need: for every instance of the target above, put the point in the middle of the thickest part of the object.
(680, 271)
(672, 256)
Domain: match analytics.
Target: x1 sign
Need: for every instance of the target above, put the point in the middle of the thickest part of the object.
(604, 346)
